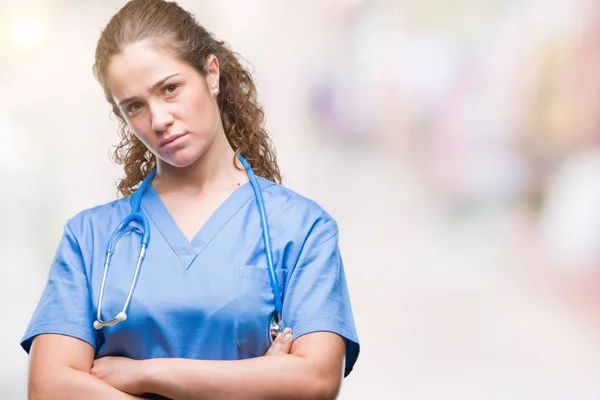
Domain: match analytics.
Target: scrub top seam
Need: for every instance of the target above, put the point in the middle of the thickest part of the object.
(335, 235)
(79, 253)
(229, 220)
(59, 327)
(60, 324)
(351, 335)
(149, 214)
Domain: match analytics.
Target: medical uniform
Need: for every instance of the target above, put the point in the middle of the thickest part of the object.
(207, 299)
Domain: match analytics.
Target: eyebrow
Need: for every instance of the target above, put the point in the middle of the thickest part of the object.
(154, 87)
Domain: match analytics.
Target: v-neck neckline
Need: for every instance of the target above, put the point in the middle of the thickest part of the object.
(186, 250)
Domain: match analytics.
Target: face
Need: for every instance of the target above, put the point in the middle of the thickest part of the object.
(167, 104)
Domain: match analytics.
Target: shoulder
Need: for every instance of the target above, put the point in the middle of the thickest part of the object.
(98, 216)
(295, 211)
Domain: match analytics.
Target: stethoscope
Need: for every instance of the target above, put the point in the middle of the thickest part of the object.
(275, 322)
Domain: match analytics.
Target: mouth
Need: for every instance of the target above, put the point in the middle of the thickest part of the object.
(170, 139)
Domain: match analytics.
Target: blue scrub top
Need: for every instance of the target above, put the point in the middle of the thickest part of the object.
(208, 299)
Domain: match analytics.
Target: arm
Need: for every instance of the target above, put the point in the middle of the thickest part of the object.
(313, 370)
(60, 369)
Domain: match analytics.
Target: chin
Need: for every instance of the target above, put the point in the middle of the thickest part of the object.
(182, 159)
(181, 162)
(184, 156)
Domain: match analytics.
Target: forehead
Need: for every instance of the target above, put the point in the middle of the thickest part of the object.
(139, 66)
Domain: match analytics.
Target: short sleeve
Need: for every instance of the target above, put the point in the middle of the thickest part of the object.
(65, 307)
(316, 295)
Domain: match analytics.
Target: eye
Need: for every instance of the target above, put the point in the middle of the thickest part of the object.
(170, 89)
(134, 107)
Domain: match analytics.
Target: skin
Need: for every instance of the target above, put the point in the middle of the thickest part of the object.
(63, 367)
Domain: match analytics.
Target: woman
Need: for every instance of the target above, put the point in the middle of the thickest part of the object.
(197, 323)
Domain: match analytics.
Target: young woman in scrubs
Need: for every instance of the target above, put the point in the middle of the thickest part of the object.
(196, 326)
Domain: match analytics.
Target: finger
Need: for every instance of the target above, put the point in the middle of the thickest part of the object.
(282, 344)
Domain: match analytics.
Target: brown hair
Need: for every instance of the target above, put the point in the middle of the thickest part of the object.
(172, 28)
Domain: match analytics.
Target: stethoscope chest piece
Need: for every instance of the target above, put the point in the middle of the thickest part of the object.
(275, 326)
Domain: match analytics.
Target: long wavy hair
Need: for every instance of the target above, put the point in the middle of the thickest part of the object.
(170, 27)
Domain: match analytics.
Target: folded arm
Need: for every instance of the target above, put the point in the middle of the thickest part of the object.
(312, 370)
(60, 369)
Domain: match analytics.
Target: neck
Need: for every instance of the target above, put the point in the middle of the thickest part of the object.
(213, 171)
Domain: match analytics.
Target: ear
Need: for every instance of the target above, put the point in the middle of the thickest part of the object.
(212, 72)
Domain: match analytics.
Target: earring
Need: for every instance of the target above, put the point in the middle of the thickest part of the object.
(216, 91)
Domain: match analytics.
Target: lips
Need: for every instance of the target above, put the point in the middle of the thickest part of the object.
(171, 138)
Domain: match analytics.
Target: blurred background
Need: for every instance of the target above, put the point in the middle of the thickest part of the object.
(457, 143)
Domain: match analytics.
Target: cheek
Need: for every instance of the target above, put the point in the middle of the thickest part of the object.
(143, 131)
(202, 110)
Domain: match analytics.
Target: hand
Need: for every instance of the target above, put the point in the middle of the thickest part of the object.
(282, 344)
(121, 373)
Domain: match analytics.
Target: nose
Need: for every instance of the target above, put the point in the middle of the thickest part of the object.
(161, 117)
